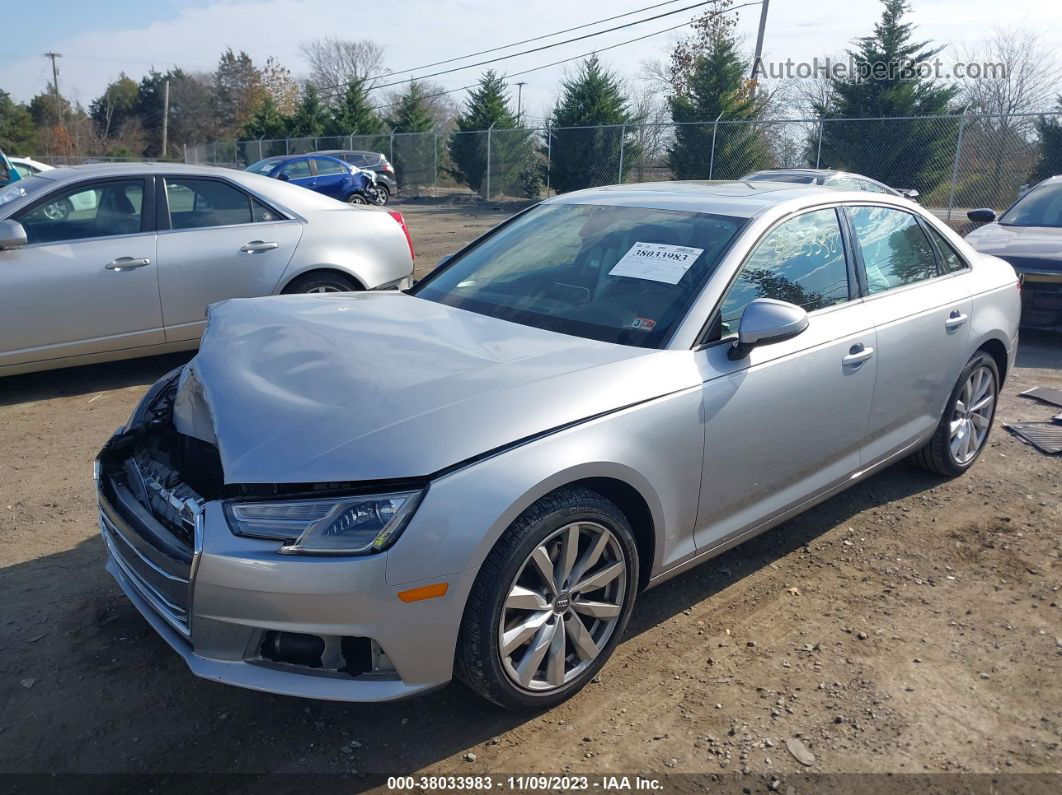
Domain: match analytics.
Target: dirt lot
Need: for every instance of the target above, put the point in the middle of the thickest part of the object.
(909, 625)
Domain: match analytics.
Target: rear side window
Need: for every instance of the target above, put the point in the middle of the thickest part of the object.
(328, 167)
(96, 210)
(198, 203)
(949, 257)
(297, 169)
(800, 261)
(896, 251)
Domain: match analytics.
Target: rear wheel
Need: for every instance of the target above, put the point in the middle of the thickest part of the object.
(322, 282)
(383, 195)
(550, 602)
(963, 430)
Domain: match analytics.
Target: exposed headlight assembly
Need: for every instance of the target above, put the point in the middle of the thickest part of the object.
(327, 526)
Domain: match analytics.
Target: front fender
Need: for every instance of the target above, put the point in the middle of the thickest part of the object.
(656, 448)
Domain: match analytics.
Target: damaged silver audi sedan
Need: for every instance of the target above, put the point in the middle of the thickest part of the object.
(360, 496)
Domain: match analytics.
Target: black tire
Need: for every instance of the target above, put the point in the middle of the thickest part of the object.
(937, 455)
(322, 282)
(356, 198)
(479, 663)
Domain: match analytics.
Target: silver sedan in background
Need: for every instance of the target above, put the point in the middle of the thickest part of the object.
(359, 496)
(115, 261)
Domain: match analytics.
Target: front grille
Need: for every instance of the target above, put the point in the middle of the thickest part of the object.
(156, 557)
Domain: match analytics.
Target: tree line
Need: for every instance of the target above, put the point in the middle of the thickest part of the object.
(600, 128)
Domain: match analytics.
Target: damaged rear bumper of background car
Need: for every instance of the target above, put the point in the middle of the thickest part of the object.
(239, 611)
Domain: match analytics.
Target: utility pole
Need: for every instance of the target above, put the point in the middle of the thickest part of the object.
(520, 101)
(166, 117)
(55, 85)
(759, 42)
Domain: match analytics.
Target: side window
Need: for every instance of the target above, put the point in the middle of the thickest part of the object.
(22, 169)
(96, 210)
(849, 183)
(872, 187)
(263, 213)
(298, 169)
(328, 168)
(800, 261)
(895, 249)
(198, 203)
(949, 257)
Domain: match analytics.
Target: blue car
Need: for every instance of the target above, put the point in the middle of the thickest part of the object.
(327, 175)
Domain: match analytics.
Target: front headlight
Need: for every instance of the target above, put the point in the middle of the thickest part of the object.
(327, 526)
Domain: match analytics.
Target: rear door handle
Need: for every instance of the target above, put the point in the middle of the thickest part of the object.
(955, 319)
(857, 354)
(257, 245)
(127, 263)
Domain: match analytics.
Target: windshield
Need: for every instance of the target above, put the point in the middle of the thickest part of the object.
(264, 166)
(1042, 206)
(23, 187)
(618, 274)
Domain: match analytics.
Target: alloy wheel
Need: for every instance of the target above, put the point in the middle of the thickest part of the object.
(563, 606)
(972, 416)
(325, 288)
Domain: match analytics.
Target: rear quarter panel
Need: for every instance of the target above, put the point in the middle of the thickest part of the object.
(366, 243)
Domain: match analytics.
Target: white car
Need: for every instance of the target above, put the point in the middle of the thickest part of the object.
(27, 167)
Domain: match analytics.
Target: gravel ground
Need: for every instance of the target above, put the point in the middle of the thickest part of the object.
(911, 624)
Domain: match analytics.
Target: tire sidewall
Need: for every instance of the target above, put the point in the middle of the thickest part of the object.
(980, 359)
(600, 512)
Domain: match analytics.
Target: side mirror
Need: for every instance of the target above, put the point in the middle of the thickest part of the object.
(12, 235)
(283, 177)
(982, 215)
(909, 193)
(764, 321)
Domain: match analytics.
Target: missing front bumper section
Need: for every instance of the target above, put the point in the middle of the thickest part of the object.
(343, 654)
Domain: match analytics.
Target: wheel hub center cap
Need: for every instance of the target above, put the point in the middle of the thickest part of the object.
(562, 603)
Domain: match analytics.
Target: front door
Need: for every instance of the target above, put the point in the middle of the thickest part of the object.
(86, 281)
(786, 423)
(222, 243)
(332, 177)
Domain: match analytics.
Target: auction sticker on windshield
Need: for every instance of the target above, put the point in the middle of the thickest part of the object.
(656, 262)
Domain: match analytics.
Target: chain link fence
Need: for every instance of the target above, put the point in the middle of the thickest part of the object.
(954, 162)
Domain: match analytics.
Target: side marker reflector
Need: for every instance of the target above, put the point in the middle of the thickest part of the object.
(424, 592)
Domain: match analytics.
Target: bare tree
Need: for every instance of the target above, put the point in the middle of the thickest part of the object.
(653, 133)
(1025, 77)
(335, 62)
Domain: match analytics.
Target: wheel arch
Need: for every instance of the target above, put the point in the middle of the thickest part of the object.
(324, 270)
(995, 348)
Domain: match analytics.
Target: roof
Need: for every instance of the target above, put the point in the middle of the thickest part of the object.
(724, 197)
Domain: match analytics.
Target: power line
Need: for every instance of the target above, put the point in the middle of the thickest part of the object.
(528, 41)
(572, 58)
(537, 49)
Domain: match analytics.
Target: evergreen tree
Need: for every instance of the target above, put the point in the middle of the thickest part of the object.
(488, 107)
(150, 105)
(116, 106)
(267, 122)
(708, 77)
(238, 89)
(1049, 161)
(310, 117)
(889, 82)
(415, 156)
(354, 114)
(17, 132)
(582, 158)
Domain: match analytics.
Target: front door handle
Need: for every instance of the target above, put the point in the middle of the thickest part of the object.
(258, 245)
(127, 263)
(955, 319)
(857, 354)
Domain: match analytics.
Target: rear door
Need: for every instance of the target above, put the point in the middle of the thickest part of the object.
(921, 312)
(787, 422)
(298, 172)
(86, 281)
(216, 241)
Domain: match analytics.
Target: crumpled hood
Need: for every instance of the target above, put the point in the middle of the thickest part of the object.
(1030, 247)
(375, 386)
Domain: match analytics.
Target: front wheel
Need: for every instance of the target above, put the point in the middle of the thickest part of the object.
(550, 603)
(356, 198)
(963, 430)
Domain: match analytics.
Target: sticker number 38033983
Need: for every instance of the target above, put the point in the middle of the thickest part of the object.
(656, 262)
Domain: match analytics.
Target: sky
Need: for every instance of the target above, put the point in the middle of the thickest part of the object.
(99, 39)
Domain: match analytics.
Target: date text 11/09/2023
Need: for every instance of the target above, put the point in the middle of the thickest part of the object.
(524, 783)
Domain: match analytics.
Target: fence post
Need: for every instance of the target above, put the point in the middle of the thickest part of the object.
(955, 163)
(623, 140)
(287, 146)
(487, 197)
(711, 158)
(818, 153)
(392, 147)
(435, 164)
(549, 153)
